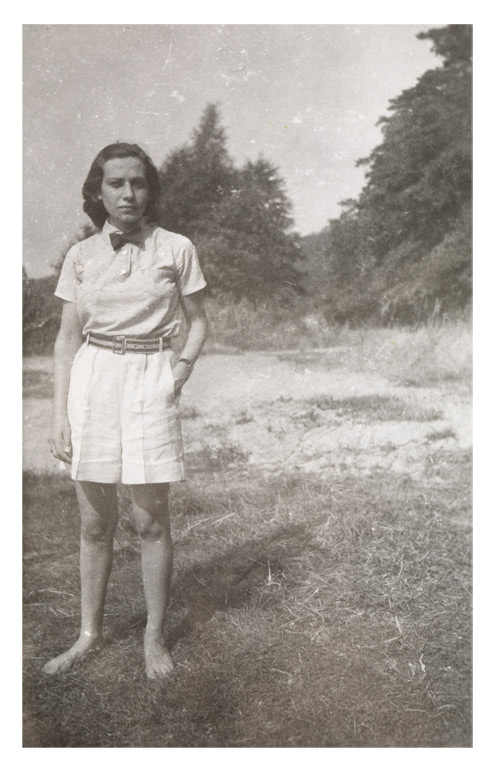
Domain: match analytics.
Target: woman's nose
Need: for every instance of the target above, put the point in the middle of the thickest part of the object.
(128, 191)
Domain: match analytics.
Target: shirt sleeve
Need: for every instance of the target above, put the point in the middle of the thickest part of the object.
(189, 275)
(69, 276)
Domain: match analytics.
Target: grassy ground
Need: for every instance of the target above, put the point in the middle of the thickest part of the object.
(304, 614)
(329, 610)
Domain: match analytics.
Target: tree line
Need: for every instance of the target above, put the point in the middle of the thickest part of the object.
(400, 252)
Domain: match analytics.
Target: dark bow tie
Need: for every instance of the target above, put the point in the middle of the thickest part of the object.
(118, 239)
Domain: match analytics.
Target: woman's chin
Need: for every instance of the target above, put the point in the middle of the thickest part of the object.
(126, 219)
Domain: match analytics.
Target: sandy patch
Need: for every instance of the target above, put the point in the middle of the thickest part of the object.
(267, 409)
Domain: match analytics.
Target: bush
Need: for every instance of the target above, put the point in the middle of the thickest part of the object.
(40, 314)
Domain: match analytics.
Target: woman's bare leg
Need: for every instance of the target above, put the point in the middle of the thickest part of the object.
(99, 516)
(150, 510)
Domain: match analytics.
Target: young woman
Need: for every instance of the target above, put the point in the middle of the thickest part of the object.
(117, 381)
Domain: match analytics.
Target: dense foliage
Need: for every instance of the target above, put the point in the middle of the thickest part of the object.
(41, 310)
(402, 249)
(239, 218)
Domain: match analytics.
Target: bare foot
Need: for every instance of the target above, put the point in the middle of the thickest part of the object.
(65, 661)
(159, 662)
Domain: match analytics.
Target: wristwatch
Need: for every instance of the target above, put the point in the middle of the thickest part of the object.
(188, 364)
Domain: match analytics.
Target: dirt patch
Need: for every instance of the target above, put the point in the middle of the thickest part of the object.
(291, 414)
(287, 415)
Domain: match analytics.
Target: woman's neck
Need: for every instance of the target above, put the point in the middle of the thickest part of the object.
(126, 227)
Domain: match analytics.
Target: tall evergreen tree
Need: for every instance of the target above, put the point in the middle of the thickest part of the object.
(196, 178)
(239, 218)
(256, 225)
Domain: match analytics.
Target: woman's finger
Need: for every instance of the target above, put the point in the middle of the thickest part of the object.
(67, 450)
(63, 457)
(61, 451)
(67, 443)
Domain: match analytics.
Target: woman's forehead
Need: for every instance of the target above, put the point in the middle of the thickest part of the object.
(121, 167)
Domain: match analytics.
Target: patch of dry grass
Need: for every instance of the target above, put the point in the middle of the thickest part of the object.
(375, 408)
(243, 326)
(411, 356)
(417, 357)
(304, 614)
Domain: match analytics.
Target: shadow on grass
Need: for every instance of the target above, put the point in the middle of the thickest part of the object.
(224, 582)
(304, 614)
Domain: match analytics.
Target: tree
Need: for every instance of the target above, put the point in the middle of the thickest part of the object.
(453, 43)
(41, 309)
(238, 218)
(196, 178)
(255, 222)
(418, 179)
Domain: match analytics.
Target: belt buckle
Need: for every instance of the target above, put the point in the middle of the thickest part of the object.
(122, 341)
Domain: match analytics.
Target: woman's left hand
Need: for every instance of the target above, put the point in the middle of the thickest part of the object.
(193, 307)
(180, 376)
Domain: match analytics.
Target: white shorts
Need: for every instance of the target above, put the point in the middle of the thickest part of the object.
(124, 418)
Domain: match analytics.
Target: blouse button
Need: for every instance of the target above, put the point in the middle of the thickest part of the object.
(123, 271)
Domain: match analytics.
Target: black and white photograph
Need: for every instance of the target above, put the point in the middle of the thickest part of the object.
(247, 385)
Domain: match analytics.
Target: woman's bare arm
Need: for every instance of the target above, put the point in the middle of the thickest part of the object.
(193, 306)
(67, 343)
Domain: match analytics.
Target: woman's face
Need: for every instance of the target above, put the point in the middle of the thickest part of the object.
(124, 191)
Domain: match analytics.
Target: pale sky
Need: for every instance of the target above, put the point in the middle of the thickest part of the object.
(306, 97)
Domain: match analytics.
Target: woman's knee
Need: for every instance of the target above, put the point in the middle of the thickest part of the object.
(150, 511)
(97, 529)
(98, 511)
(150, 527)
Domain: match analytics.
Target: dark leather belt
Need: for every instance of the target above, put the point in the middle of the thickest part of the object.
(120, 344)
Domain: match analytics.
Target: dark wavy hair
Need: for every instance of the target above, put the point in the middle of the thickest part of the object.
(92, 186)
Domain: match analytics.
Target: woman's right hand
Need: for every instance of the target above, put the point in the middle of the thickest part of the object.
(60, 440)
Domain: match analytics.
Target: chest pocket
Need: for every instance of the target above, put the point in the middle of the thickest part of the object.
(159, 281)
(88, 276)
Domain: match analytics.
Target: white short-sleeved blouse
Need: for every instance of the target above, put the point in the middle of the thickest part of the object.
(134, 290)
